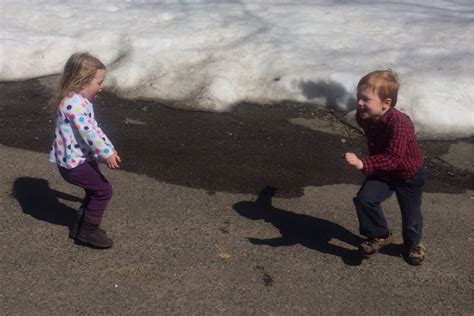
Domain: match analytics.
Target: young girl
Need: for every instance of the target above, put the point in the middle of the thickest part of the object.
(78, 141)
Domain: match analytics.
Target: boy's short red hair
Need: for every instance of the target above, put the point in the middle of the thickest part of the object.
(382, 82)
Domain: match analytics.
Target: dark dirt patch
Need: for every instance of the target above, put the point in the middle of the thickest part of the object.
(244, 150)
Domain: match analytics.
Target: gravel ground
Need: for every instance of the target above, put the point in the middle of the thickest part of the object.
(191, 235)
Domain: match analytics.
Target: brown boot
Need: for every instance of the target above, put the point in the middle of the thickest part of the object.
(91, 235)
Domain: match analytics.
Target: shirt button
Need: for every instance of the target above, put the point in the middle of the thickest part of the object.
(371, 144)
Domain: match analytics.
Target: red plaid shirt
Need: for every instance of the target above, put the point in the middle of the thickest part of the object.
(394, 152)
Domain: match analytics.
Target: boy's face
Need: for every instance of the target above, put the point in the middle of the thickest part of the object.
(369, 104)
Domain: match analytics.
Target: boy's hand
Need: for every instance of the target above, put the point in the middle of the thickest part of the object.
(113, 161)
(354, 161)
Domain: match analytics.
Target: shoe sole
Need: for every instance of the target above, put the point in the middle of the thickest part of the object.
(367, 255)
(79, 242)
(413, 262)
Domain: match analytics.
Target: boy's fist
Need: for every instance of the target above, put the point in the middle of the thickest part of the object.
(354, 161)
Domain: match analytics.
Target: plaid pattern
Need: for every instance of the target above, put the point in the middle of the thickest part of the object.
(393, 149)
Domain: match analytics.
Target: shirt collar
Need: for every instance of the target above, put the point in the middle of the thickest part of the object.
(387, 115)
(384, 120)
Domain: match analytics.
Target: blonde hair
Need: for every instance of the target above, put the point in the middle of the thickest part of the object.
(382, 82)
(79, 70)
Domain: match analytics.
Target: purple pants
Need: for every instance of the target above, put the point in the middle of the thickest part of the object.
(98, 189)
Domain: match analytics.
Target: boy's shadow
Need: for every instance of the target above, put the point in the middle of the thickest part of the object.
(37, 199)
(312, 232)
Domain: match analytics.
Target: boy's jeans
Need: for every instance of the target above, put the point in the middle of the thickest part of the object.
(374, 190)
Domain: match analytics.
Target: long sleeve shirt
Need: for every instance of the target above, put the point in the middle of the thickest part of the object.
(77, 136)
(394, 152)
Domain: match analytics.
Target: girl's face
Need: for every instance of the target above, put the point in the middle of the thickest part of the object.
(369, 104)
(90, 90)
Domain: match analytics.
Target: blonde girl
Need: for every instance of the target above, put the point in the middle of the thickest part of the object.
(79, 141)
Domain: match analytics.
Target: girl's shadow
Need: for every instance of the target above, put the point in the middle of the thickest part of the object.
(312, 232)
(37, 199)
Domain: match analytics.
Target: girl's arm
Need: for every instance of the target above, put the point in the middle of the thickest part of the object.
(75, 110)
(102, 135)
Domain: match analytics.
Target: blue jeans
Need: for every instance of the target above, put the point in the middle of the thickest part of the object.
(375, 190)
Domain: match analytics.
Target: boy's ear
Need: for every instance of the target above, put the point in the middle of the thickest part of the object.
(387, 103)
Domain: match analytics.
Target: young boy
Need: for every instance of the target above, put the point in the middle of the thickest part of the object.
(395, 163)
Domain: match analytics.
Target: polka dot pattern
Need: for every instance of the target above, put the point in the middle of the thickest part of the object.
(78, 137)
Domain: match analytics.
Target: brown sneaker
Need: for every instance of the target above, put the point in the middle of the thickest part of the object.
(373, 245)
(416, 255)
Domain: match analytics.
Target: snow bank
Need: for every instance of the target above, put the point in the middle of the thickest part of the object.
(212, 54)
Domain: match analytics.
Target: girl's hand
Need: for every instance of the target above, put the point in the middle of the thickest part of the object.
(354, 161)
(113, 161)
(118, 157)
